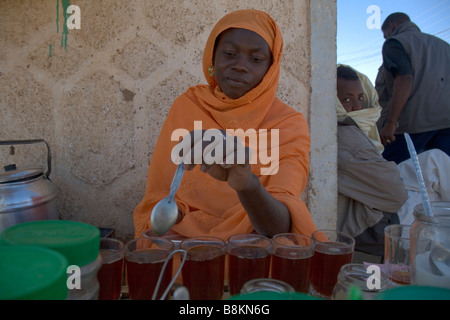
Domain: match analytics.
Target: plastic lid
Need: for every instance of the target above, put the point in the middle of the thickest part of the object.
(32, 272)
(78, 242)
(414, 292)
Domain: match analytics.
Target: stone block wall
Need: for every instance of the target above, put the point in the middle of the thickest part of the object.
(100, 99)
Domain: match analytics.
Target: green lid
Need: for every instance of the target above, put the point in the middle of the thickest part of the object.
(270, 295)
(414, 292)
(32, 273)
(78, 242)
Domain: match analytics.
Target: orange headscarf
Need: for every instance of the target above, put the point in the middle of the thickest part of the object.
(211, 207)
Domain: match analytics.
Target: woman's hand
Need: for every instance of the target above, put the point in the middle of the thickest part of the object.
(219, 154)
(223, 157)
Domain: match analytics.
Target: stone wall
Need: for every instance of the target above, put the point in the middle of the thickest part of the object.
(100, 98)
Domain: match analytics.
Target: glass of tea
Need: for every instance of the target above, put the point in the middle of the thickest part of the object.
(204, 269)
(291, 260)
(332, 250)
(145, 258)
(396, 253)
(249, 258)
(111, 272)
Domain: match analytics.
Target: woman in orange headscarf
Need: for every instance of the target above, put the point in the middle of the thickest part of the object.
(241, 64)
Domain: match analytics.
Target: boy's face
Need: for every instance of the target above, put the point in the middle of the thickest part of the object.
(350, 94)
(241, 60)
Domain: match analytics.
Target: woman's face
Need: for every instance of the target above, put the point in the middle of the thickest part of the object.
(241, 60)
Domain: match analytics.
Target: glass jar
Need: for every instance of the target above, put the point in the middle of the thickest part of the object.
(266, 285)
(357, 281)
(430, 246)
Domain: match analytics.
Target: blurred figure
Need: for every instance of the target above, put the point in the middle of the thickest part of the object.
(414, 89)
(435, 167)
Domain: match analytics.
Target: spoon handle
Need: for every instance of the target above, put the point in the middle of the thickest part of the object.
(176, 181)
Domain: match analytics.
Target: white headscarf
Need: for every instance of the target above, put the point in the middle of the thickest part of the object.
(366, 118)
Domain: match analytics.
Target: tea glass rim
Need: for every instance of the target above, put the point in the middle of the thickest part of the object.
(115, 253)
(293, 245)
(114, 240)
(337, 232)
(300, 250)
(388, 229)
(206, 238)
(233, 242)
(130, 252)
(169, 235)
(217, 243)
(236, 246)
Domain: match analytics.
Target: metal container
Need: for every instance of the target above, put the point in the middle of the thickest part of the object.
(27, 194)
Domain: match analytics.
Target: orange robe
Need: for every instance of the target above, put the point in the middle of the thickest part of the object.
(211, 207)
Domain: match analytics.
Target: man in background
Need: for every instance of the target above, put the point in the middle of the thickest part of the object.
(414, 89)
(370, 189)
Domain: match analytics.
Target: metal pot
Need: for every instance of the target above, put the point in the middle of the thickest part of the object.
(28, 194)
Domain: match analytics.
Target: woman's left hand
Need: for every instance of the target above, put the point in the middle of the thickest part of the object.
(223, 157)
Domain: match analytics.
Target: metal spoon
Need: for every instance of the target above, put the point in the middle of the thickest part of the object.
(165, 212)
(181, 293)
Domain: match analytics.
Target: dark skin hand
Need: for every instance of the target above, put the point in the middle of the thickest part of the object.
(241, 60)
(267, 215)
(402, 90)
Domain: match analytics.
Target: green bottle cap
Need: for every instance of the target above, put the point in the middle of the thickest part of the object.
(355, 293)
(32, 273)
(78, 242)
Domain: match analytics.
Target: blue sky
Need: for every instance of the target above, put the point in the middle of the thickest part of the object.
(360, 46)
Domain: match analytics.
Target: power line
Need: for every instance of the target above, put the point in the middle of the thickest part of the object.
(368, 55)
(441, 31)
(428, 10)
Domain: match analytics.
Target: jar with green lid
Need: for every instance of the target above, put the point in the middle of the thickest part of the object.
(357, 281)
(32, 273)
(78, 242)
(430, 246)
